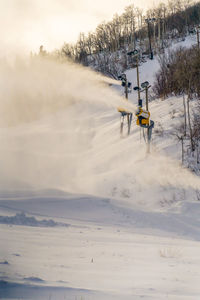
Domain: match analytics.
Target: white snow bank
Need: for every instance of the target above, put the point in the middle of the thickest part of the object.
(178, 221)
(22, 219)
(12, 290)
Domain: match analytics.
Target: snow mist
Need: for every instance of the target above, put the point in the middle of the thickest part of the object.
(30, 90)
(60, 130)
(47, 111)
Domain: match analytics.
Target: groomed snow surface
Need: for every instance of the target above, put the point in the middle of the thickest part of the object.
(87, 214)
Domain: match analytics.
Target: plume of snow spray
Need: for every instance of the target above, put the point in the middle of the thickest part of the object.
(60, 129)
(30, 90)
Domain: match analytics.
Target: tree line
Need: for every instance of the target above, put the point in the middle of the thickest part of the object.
(105, 49)
(130, 30)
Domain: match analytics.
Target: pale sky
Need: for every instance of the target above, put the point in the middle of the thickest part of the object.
(27, 24)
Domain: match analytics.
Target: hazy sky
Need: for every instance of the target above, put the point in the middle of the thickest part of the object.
(27, 24)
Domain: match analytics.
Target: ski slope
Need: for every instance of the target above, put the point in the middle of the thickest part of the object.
(84, 213)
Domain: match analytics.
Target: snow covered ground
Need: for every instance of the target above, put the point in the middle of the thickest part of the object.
(84, 213)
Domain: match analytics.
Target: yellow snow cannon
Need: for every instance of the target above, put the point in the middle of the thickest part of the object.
(142, 117)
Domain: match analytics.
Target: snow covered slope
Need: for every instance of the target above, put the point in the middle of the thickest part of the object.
(119, 224)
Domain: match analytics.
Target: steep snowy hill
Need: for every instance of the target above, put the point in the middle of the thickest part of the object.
(119, 224)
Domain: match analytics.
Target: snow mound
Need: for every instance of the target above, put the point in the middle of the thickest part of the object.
(5, 262)
(12, 290)
(34, 279)
(22, 219)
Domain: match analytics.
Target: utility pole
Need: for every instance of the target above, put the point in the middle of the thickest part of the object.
(145, 85)
(135, 53)
(147, 104)
(126, 96)
(159, 33)
(138, 77)
(163, 32)
(148, 21)
(154, 35)
(126, 90)
(126, 85)
(198, 44)
(149, 36)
